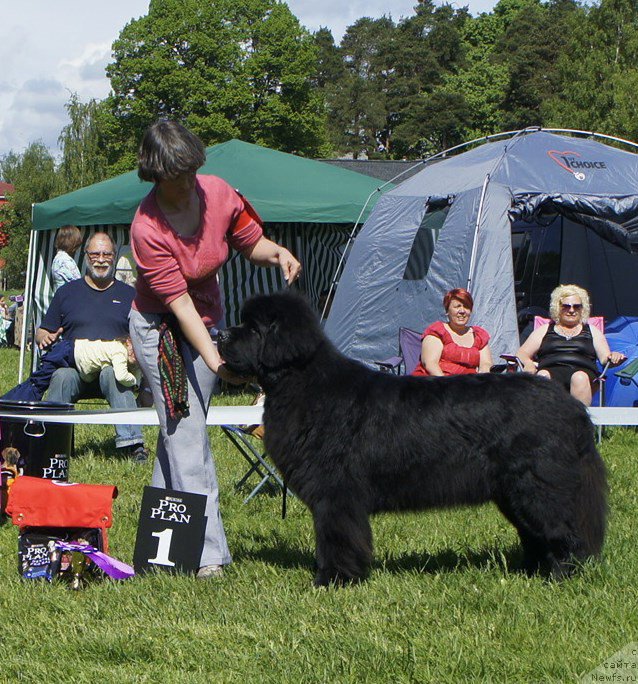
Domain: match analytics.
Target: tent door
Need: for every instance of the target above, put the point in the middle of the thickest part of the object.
(567, 252)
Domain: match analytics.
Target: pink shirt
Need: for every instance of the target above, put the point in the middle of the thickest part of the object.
(170, 265)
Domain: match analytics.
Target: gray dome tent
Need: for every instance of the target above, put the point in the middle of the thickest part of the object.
(508, 220)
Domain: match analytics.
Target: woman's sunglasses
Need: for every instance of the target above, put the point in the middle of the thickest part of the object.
(569, 307)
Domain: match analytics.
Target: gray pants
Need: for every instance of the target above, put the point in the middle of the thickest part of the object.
(184, 460)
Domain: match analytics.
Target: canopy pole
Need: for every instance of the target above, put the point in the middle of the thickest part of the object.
(28, 299)
(470, 275)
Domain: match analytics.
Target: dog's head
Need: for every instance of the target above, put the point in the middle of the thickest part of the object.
(277, 332)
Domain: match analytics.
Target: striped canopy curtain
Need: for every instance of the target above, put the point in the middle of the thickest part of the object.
(318, 246)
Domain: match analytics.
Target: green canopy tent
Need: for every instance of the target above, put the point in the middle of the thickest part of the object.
(282, 187)
(307, 205)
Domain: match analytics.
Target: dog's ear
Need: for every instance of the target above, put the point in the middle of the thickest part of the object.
(290, 331)
(286, 345)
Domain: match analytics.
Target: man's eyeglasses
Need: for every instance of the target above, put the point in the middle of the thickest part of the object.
(97, 255)
(570, 307)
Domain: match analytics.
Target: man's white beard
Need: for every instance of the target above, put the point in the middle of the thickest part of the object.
(98, 277)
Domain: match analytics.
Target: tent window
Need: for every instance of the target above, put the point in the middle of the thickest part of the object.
(423, 245)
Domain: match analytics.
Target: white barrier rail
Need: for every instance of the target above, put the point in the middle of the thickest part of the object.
(217, 415)
(242, 415)
(613, 415)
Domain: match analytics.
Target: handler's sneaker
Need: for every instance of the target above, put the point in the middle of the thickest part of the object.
(210, 572)
(139, 453)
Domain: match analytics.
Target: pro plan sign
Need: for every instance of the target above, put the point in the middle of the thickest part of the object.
(573, 163)
(170, 534)
(55, 467)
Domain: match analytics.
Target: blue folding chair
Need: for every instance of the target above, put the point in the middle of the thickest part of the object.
(409, 354)
(246, 440)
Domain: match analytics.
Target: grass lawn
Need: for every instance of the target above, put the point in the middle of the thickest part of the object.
(444, 602)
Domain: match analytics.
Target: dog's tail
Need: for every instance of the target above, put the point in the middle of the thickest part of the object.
(591, 504)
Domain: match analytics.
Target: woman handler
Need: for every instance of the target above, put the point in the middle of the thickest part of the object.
(180, 238)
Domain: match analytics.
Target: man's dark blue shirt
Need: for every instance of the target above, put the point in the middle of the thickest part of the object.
(88, 314)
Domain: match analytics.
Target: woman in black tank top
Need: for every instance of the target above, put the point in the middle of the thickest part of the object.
(566, 348)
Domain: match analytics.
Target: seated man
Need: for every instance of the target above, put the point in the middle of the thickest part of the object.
(95, 307)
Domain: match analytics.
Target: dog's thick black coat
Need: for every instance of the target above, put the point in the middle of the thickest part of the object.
(351, 441)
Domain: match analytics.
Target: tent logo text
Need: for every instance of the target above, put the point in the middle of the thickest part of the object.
(567, 161)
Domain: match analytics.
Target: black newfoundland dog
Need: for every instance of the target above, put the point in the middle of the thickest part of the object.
(351, 441)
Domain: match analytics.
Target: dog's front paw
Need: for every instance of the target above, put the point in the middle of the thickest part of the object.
(333, 578)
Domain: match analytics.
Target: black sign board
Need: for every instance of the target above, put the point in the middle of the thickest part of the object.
(170, 534)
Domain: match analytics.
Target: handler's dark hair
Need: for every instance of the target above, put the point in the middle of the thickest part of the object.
(167, 150)
(68, 239)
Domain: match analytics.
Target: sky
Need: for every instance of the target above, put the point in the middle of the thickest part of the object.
(49, 50)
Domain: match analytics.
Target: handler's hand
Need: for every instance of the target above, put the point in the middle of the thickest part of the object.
(290, 267)
(48, 338)
(229, 376)
(615, 358)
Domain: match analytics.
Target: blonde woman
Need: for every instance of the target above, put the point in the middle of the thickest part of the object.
(566, 348)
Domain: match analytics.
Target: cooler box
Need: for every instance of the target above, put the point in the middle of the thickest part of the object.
(46, 511)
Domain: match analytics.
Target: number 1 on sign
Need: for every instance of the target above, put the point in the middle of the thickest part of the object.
(163, 547)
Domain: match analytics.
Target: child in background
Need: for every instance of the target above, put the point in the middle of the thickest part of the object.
(88, 357)
(5, 320)
(64, 269)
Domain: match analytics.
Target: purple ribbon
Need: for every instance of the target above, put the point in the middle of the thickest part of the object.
(111, 566)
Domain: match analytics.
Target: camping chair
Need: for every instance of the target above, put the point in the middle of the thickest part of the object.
(246, 439)
(409, 354)
(628, 373)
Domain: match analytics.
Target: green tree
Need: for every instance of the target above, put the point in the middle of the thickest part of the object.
(286, 109)
(428, 48)
(230, 68)
(357, 101)
(329, 71)
(329, 66)
(483, 78)
(33, 174)
(531, 46)
(433, 123)
(83, 158)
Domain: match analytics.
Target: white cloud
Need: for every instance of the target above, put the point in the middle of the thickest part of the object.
(85, 74)
(337, 15)
(13, 52)
(35, 112)
(65, 44)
